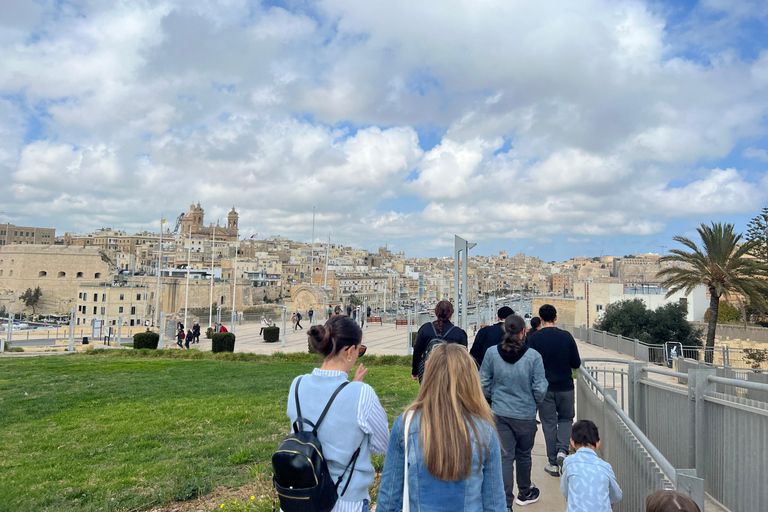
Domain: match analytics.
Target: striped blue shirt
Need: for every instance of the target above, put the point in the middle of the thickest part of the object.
(372, 420)
(588, 483)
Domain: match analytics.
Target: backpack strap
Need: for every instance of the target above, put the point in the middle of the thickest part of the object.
(446, 332)
(316, 425)
(352, 463)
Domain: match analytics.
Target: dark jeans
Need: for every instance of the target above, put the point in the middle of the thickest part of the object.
(556, 413)
(298, 325)
(517, 442)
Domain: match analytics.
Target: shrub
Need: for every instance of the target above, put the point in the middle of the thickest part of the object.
(271, 334)
(223, 342)
(726, 314)
(209, 333)
(146, 340)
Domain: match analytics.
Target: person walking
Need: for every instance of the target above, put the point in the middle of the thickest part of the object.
(189, 338)
(297, 321)
(310, 314)
(349, 310)
(489, 336)
(449, 442)
(180, 337)
(514, 381)
(560, 355)
(356, 424)
(433, 333)
(196, 332)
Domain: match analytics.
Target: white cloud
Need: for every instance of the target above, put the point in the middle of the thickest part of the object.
(574, 117)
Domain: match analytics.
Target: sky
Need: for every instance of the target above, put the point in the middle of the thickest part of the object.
(556, 128)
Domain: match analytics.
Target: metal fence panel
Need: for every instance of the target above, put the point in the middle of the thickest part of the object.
(736, 462)
(666, 420)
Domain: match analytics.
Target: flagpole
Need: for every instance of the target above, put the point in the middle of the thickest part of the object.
(159, 263)
(186, 295)
(312, 257)
(213, 256)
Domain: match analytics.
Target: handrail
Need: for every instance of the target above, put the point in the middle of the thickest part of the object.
(604, 360)
(669, 373)
(757, 386)
(663, 463)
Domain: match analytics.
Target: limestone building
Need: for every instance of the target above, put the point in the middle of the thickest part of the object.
(22, 235)
(194, 221)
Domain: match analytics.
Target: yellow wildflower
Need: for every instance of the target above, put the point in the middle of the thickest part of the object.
(253, 498)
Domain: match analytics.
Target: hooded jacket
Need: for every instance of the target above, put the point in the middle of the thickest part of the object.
(514, 382)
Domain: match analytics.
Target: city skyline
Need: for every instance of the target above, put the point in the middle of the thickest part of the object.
(560, 129)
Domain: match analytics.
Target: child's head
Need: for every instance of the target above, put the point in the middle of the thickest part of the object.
(670, 501)
(584, 435)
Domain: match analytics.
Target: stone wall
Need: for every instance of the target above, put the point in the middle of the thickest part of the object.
(57, 270)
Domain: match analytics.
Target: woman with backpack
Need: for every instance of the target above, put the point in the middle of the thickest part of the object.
(513, 380)
(434, 333)
(355, 425)
(444, 452)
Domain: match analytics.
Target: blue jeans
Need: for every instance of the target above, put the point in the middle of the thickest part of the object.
(365, 506)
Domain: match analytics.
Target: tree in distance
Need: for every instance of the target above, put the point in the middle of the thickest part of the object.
(727, 314)
(31, 298)
(354, 300)
(632, 319)
(722, 266)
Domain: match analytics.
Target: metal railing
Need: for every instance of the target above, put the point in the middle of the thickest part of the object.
(702, 420)
(722, 355)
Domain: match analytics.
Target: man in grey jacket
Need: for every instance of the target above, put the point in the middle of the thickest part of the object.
(514, 381)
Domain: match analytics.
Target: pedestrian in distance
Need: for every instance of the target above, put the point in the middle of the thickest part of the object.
(337, 310)
(297, 321)
(588, 482)
(190, 336)
(196, 332)
(180, 337)
(670, 501)
(514, 382)
(222, 328)
(443, 452)
(432, 334)
(330, 312)
(489, 336)
(355, 425)
(264, 323)
(560, 355)
(349, 310)
(310, 314)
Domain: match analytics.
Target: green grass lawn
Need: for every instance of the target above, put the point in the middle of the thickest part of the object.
(119, 432)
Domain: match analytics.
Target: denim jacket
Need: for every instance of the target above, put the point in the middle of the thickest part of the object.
(515, 390)
(483, 491)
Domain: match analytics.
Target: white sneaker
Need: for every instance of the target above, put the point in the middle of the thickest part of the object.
(560, 459)
(552, 469)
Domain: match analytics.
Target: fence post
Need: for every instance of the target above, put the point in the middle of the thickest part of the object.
(162, 331)
(285, 320)
(698, 386)
(119, 330)
(634, 374)
(72, 330)
(408, 344)
(688, 483)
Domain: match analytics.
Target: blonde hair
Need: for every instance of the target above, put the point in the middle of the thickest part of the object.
(451, 402)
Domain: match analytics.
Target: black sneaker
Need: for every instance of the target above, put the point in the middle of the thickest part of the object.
(528, 497)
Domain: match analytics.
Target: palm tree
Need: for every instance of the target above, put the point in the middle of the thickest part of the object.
(722, 267)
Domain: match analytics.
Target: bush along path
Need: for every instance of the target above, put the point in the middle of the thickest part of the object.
(155, 429)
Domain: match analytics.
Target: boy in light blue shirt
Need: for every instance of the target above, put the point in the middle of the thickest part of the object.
(588, 482)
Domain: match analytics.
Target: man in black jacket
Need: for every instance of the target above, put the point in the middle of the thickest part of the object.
(489, 336)
(560, 355)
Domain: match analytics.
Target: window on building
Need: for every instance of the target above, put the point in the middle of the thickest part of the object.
(78, 321)
(94, 310)
(79, 275)
(61, 275)
(42, 273)
(120, 309)
(122, 296)
(97, 275)
(133, 310)
(138, 296)
(95, 297)
(103, 297)
(102, 310)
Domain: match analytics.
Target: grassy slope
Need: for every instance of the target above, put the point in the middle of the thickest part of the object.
(88, 433)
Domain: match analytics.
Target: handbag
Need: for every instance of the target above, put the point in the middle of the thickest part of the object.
(406, 427)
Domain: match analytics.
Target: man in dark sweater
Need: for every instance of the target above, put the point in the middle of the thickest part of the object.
(489, 336)
(559, 352)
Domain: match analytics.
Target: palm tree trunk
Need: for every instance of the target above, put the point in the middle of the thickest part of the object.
(714, 306)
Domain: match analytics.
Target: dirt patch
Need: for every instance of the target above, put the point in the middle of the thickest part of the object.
(214, 499)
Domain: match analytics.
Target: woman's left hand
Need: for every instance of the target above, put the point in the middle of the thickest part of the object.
(360, 373)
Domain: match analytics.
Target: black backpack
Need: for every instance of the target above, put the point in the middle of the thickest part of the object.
(301, 476)
(435, 341)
